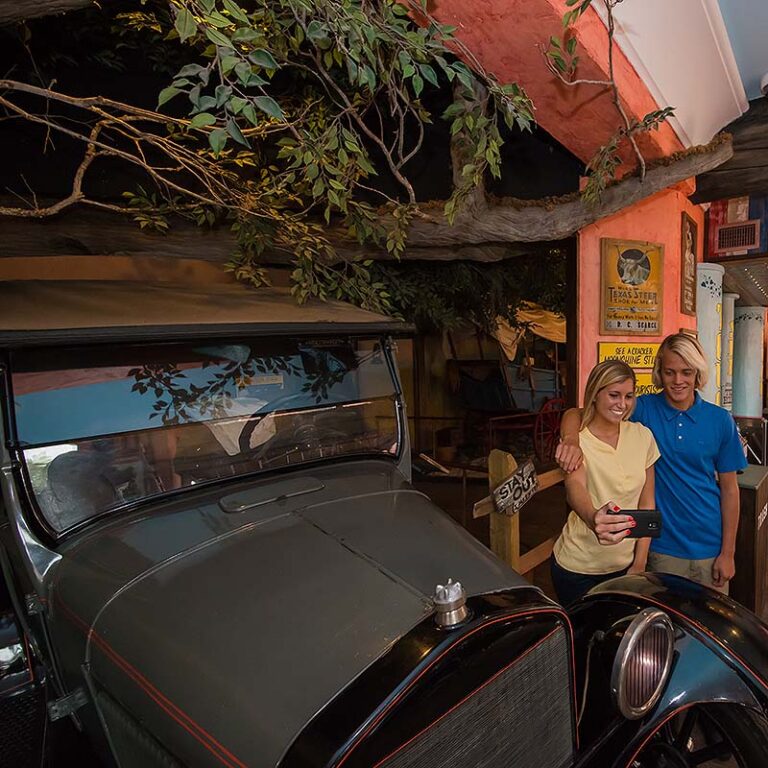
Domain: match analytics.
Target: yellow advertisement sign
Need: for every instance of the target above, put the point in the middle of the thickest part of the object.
(644, 384)
(631, 287)
(634, 354)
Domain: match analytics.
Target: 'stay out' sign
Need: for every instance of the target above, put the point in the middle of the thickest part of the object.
(516, 490)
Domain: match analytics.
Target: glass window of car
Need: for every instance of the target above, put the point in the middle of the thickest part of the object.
(99, 428)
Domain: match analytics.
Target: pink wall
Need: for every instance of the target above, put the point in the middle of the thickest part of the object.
(657, 220)
(505, 36)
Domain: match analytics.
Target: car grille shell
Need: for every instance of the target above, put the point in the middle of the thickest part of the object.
(520, 717)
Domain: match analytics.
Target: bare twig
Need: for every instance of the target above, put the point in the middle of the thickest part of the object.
(217, 186)
(75, 196)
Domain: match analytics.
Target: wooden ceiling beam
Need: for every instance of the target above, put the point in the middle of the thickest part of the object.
(746, 173)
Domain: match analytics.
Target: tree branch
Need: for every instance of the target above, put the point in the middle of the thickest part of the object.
(502, 222)
(499, 231)
(74, 197)
(12, 11)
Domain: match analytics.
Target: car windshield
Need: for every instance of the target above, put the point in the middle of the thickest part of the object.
(100, 428)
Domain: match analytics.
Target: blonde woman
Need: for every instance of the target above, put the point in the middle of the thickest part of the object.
(616, 473)
(697, 488)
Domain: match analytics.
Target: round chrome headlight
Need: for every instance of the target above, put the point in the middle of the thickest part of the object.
(643, 663)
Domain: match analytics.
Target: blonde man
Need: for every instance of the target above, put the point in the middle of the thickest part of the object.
(696, 487)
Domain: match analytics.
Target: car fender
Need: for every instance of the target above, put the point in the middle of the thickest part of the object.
(733, 632)
(721, 657)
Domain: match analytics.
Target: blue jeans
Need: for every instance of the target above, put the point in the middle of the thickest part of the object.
(570, 586)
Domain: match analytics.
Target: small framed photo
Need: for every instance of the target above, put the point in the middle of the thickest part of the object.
(688, 259)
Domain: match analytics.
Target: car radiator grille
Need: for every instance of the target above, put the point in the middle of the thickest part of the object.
(22, 717)
(521, 718)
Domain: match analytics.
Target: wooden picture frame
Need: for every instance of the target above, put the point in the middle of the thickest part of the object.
(689, 244)
(631, 287)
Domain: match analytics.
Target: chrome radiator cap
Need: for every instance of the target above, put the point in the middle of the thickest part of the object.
(450, 604)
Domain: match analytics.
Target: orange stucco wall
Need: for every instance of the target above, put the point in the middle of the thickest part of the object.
(658, 220)
(506, 36)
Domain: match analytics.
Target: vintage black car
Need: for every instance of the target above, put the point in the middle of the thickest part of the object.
(214, 556)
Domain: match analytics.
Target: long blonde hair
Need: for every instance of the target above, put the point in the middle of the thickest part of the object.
(690, 350)
(601, 376)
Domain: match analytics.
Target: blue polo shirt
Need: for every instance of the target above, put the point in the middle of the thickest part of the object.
(693, 444)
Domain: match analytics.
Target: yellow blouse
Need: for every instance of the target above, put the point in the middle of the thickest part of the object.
(613, 474)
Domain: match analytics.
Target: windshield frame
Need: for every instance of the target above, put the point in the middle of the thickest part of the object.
(21, 473)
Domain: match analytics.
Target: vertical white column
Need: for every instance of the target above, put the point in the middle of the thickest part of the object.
(709, 296)
(748, 330)
(726, 347)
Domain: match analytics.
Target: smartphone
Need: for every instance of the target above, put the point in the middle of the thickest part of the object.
(648, 522)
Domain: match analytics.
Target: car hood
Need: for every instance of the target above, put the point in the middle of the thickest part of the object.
(227, 649)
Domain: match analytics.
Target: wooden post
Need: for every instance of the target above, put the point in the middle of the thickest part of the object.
(505, 529)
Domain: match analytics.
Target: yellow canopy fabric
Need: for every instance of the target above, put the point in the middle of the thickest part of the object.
(542, 322)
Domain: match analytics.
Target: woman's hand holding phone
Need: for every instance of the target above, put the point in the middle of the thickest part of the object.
(610, 526)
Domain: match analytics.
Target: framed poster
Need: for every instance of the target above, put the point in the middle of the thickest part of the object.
(688, 250)
(631, 287)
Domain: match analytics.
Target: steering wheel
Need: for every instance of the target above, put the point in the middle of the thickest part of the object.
(244, 441)
(307, 432)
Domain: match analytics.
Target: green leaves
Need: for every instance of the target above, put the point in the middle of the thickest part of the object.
(218, 38)
(202, 120)
(444, 295)
(561, 54)
(428, 74)
(234, 131)
(570, 17)
(263, 58)
(167, 94)
(462, 72)
(185, 24)
(270, 106)
(279, 93)
(368, 77)
(235, 11)
(217, 140)
(317, 31)
(249, 113)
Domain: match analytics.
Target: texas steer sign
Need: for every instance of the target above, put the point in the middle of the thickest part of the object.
(631, 287)
(516, 490)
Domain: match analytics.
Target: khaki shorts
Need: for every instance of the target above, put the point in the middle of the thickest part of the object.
(695, 570)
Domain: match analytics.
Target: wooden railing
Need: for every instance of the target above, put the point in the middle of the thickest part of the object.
(505, 529)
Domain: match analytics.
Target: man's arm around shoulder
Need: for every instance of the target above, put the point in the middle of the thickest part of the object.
(568, 454)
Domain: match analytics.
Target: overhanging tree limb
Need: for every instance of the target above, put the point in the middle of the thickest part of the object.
(531, 221)
(12, 11)
(495, 232)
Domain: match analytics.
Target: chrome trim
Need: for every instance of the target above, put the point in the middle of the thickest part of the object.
(389, 349)
(647, 619)
(38, 559)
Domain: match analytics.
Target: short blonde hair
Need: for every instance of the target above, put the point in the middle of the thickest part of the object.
(601, 376)
(690, 350)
